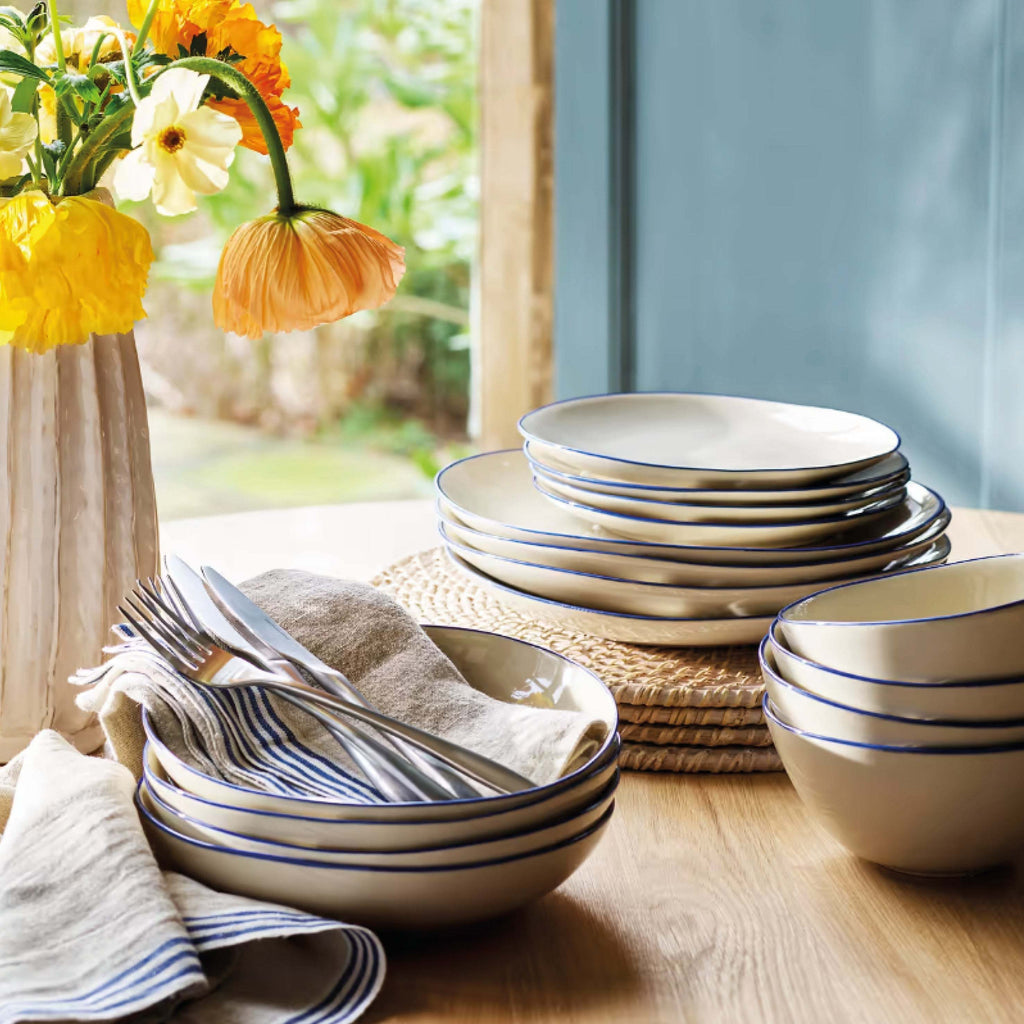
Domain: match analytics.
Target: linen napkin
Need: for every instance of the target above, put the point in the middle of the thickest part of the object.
(251, 738)
(92, 930)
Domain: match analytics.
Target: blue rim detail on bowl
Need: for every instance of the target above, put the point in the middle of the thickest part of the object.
(773, 719)
(940, 510)
(458, 548)
(945, 723)
(596, 611)
(868, 484)
(964, 685)
(606, 794)
(901, 622)
(611, 757)
(920, 541)
(867, 461)
(429, 870)
(868, 514)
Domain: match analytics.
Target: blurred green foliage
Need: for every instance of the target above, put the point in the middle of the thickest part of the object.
(387, 96)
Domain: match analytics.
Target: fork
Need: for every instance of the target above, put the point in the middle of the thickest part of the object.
(396, 780)
(208, 663)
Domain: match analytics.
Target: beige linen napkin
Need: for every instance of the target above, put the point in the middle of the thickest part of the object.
(92, 930)
(253, 739)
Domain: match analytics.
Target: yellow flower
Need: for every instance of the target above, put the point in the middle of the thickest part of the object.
(291, 273)
(17, 134)
(228, 25)
(68, 270)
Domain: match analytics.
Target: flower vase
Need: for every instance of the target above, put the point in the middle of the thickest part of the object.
(78, 524)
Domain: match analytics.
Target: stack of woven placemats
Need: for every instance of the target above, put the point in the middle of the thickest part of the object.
(694, 709)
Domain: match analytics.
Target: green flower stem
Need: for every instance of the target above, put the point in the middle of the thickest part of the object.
(58, 42)
(147, 24)
(100, 136)
(236, 80)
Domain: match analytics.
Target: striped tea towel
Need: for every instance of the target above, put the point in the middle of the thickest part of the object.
(252, 739)
(92, 930)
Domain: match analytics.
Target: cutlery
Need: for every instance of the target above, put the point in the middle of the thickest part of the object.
(397, 781)
(275, 643)
(201, 659)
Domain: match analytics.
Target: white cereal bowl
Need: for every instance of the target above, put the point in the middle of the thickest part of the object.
(631, 597)
(494, 494)
(979, 701)
(401, 898)
(811, 713)
(927, 549)
(502, 667)
(714, 441)
(892, 471)
(302, 823)
(720, 515)
(922, 810)
(548, 834)
(948, 623)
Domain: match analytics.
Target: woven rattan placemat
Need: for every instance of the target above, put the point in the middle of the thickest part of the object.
(683, 687)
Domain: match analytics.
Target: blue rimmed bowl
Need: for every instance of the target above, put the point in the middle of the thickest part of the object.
(986, 700)
(922, 810)
(951, 623)
(816, 714)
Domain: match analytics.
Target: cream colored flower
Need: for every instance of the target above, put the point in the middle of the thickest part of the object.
(181, 147)
(78, 43)
(17, 135)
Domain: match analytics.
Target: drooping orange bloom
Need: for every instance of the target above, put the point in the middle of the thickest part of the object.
(292, 273)
(228, 25)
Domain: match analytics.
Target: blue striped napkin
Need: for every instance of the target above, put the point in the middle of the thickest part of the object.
(92, 930)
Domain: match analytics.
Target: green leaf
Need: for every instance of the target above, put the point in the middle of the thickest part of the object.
(24, 96)
(12, 16)
(81, 86)
(18, 65)
(51, 156)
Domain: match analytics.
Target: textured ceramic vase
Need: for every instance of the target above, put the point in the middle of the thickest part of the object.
(77, 524)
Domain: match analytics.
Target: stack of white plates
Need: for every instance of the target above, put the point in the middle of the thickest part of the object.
(897, 707)
(682, 519)
(421, 865)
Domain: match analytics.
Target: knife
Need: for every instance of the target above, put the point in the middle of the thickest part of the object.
(251, 619)
(395, 785)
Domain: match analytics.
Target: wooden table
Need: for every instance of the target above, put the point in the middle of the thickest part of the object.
(713, 898)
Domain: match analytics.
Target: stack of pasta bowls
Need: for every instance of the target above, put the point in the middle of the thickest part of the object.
(684, 519)
(897, 707)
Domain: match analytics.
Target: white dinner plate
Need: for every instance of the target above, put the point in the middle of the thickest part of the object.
(716, 441)
(755, 515)
(892, 471)
(494, 493)
(929, 548)
(631, 629)
(746, 535)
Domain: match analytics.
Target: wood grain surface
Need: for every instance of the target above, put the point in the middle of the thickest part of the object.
(719, 899)
(712, 899)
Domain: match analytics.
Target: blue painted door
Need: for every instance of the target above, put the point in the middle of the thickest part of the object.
(821, 202)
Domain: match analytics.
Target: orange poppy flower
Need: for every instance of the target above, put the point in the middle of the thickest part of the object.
(228, 25)
(292, 273)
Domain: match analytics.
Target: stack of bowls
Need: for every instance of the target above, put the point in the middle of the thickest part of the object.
(679, 519)
(422, 865)
(897, 707)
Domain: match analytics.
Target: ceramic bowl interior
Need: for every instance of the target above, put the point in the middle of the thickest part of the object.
(923, 810)
(504, 668)
(960, 588)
